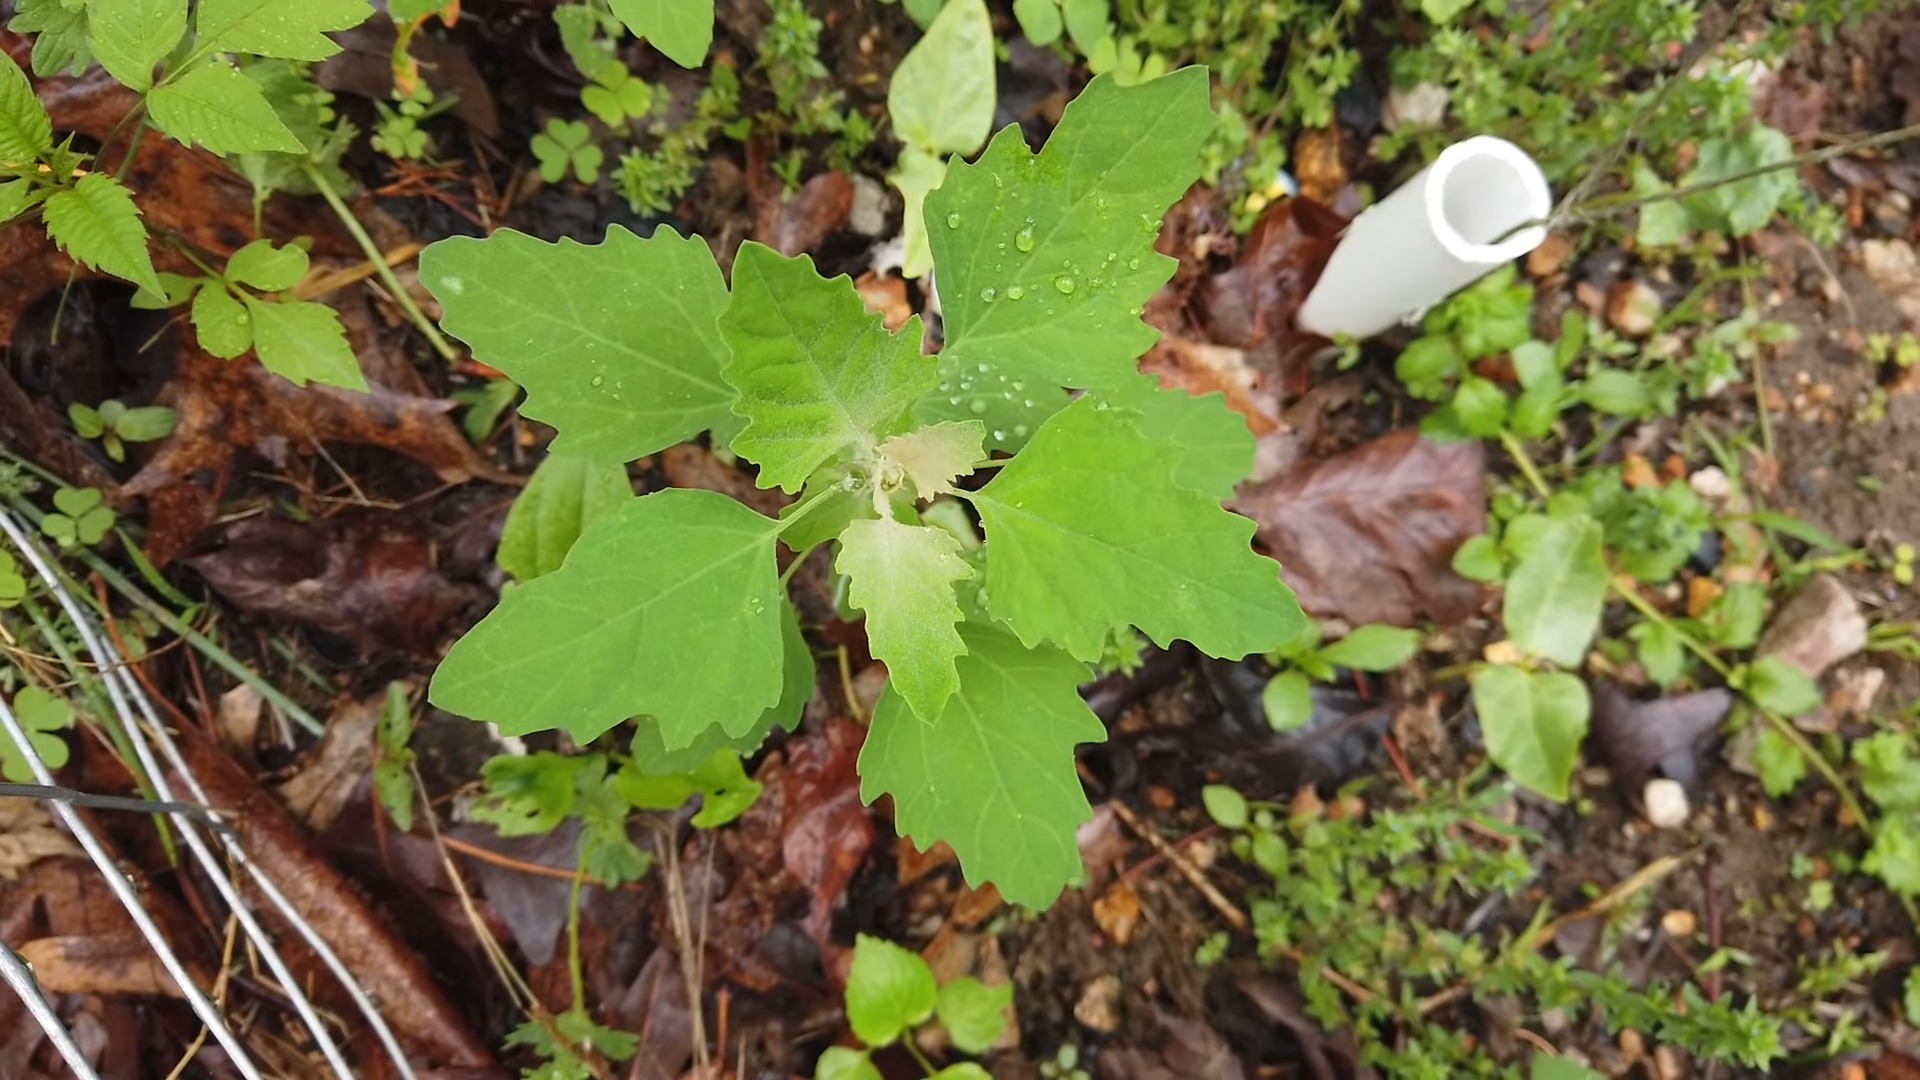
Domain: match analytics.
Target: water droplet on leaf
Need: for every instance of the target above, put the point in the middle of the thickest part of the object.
(1024, 239)
(978, 406)
(1065, 284)
(1015, 292)
(953, 221)
(989, 293)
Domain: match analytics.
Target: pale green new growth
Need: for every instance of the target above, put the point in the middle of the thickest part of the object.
(936, 455)
(219, 108)
(1534, 722)
(96, 222)
(680, 29)
(993, 774)
(565, 495)
(1088, 533)
(617, 343)
(902, 576)
(669, 607)
(941, 101)
(816, 373)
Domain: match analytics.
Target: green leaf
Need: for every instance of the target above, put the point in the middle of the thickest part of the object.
(1548, 1067)
(129, 37)
(87, 422)
(1213, 445)
(669, 607)
(941, 96)
(19, 196)
(1747, 205)
(13, 584)
(267, 268)
(1372, 648)
(59, 35)
(222, 323)
(1615, 392)
(1662, 224)
(624, 361)
(650, 755)
(889, 991)
(1425, 364)
(1895, 855)
(963, 1070)
(973, 1013)
(565, 495)
(1555, 593)
(1086, 22)
(1010, 406)
(816, 373)
(846, 1063)
(1780, 764)
(303, 342)
(1889, 775)
(681, 29)
(993, 774)
(934, 456)
(1662, 653)
(1480, 406)
(1287, 701)
(393, 759)
(1777, 686)
(1039, 20)
(1442, 12)
(1534, 722)
(219, 108)
(42, 715)
(1090, 534)
(726, 792)
(1045, 262)
(148, 423)
(289, 30)
(902, 576)
(1478, 559)
(25, 130)
(915, 174)
(175, 289)
(96, 222)
(1227, 807)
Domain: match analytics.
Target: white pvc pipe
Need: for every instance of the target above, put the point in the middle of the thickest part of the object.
(1435, 235)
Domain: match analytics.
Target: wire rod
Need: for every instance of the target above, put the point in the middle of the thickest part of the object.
(16, 975)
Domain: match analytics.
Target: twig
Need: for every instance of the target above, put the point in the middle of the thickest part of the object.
(1195, 877)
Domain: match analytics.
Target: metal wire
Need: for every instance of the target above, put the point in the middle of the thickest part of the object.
(122, 689)
(17, 976)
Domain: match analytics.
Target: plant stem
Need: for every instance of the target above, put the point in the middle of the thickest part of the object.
(576, 976)
(1527, 468)
(379, 261)
(906, 1043)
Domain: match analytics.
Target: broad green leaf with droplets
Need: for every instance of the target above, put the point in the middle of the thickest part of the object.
(816, 373)
(96, 222)
(1044, 263)
(1089, 530)
(219, 108)
(993, 774)
(681, 29)
(1534, 722)
(565, 495)
(902, 576)
(668, 608)
(617, 343)
(1011, 407)
(1215, 446)
(25, 130)
(303, 342)
(289, 29)
(129, 37)
(222, 324)
(936, 455)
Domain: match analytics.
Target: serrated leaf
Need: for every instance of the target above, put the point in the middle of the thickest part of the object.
(816, 373)
(96, 222)
(19, 196)
(1780, 764)
(1045, 262)
(668, 608)
(941, 96)
(902, 576)
(1556, 592)
(973, 1013)
(267, 268)
(993, 774)
(1745, 206)
(129, 37)
(291, 31)
(219, 108)
(889, 991)
(303, 342)
(1011, 407)
(624, 361)
(175, 289)
(1088, 532)
(933, 457)
(681, 29)
(797, 675)
(1534, 722)
(59, 36)
(223, 326)
(25, 130)
(564, 496)
(1215, 446)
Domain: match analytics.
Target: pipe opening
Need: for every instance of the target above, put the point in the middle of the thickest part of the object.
(1486, 188)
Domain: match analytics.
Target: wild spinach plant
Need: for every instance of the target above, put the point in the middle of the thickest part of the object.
(670, 610)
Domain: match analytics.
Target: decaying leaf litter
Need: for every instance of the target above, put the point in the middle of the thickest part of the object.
(337, 541)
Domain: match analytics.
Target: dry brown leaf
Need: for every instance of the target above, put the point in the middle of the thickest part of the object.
(97, 964)
(27, 835)
(1369, 536)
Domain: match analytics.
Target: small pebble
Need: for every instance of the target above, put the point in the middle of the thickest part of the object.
(1679, 923)
(1667, 806)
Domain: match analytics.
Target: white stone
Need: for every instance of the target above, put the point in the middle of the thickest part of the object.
(1666, 800)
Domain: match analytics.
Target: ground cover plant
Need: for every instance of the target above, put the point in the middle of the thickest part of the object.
(929, 609)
